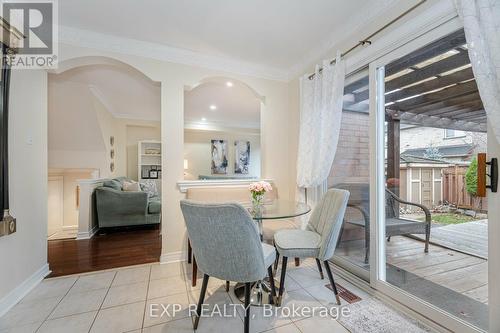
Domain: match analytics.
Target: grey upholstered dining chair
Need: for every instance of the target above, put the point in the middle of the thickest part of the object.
(227, 246)
(318, 240)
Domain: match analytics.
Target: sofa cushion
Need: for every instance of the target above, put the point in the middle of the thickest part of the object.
(131, 187)
(154, 206)
(113, 183)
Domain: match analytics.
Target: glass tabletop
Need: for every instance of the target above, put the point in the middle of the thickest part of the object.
(279, 209)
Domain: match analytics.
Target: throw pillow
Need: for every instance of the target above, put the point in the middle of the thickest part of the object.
(149, 186)
(131, 187)
(114, 184)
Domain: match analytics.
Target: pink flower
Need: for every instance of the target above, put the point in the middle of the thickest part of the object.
(260, 187)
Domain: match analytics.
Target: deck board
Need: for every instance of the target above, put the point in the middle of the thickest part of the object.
(461, 272)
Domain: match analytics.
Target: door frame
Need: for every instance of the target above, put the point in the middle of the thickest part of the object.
(377, 184)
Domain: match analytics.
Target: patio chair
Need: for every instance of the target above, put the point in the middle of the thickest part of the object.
(394, 224)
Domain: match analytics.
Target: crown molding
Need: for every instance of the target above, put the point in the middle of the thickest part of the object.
(111, 43)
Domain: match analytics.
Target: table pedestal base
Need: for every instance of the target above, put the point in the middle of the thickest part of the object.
(260, 294)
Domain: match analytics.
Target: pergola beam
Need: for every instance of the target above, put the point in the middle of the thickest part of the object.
(436, 48)
(442, 95)
(473, 97)
(438, 122)
(447, 64)
(437, 83)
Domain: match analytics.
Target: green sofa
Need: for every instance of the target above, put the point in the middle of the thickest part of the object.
(116, 208)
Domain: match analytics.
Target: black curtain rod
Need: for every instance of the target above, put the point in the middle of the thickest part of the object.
(367, 39)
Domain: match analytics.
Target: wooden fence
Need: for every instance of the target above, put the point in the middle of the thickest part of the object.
(455, 191)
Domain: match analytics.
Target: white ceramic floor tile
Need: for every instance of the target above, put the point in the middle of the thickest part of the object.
(164, 309)
(79, 323)
(305, 277)
(119, 319)
(166, 287)
(28, 312)
(125, 294)
(219, 325)
(302, 301)
(29, 328)
(290, 283)
(79, 303)
(283, 329)
(131, 275)
(176, 326)
(213, 283)
(218, 296)
(320, 325)
(324, 295)
(56, 287)
(93, 282)
(162, 271)
(264, 319)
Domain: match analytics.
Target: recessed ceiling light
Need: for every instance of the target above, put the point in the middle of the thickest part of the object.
(203, 119)
(213, 107)
(229, 84)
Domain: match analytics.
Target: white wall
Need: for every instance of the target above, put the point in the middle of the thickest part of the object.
(197, 150)
(174, 78)
(24, 253)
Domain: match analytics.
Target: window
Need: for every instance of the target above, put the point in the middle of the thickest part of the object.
(451, 133)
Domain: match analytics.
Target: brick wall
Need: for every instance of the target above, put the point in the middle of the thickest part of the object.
(351, 162)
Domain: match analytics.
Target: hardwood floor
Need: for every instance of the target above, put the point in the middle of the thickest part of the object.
(115, 248)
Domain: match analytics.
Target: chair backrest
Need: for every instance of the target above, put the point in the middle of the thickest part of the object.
(326, 220)
(225, 241)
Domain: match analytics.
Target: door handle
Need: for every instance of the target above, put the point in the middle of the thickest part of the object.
(482, 165)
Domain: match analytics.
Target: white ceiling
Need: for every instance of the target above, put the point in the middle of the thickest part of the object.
(124, 91)
(236, 106)
(279, 34)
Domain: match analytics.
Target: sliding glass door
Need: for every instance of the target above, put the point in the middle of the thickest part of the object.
(350, 171)
(429, 232)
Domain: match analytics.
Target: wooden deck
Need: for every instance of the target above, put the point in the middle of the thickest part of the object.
(463, 273)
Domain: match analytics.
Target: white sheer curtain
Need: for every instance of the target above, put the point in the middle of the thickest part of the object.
(320, 117)
(481, 20)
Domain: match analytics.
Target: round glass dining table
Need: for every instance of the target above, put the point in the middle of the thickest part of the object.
(272, 210)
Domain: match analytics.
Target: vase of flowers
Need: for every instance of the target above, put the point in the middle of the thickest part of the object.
(258, 190)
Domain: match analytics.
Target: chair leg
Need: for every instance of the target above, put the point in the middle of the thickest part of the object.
(190, 251)
(427, 238)
(320, 269)
(227, 286)
(276, 262)
(271, 283)
(195, 273)
(282, 281)
(367, 244)
(201, 300)
(297, 262)
(248, 286)
(332, 282)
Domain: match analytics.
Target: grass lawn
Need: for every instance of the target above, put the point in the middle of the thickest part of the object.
(449, 218)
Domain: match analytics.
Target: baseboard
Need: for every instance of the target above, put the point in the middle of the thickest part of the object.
(69, 227)
(173, 257)
(87, 234)
(12, 298)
